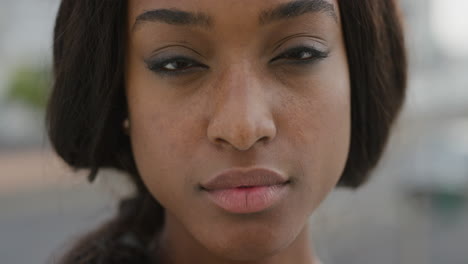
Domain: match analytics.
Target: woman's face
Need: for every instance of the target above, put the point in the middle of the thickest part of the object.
(214, 85)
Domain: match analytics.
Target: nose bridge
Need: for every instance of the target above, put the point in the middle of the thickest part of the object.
(241, 115)
(238, 86)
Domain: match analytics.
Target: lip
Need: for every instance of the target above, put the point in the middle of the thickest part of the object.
(246, 190)
(238, 177)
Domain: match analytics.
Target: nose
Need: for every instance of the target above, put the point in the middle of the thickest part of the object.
(242, 116)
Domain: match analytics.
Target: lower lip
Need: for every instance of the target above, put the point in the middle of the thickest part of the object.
(248, 200)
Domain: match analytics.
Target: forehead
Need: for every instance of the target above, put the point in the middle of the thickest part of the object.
(234, 11)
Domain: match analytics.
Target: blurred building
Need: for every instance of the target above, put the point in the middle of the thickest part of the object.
(25, 43)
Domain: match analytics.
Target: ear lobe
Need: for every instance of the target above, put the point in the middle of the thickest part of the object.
(126, 126)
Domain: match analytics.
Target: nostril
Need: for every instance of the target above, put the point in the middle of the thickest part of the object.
(221, 141)
(264, 140)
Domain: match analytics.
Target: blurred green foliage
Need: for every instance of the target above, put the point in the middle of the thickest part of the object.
(30, 85)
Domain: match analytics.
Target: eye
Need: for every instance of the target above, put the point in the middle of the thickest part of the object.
(174, 65)
(302, 54)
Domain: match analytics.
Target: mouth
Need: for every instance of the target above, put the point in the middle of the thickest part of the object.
(246, 191)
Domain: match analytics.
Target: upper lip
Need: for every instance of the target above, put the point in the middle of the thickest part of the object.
(238, 177)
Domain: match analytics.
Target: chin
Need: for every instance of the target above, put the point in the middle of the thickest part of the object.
(249, 250)
(249, 243)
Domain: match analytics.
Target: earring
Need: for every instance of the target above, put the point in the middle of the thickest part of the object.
(126, 126)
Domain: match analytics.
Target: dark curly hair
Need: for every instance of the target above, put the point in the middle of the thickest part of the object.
(88, 104)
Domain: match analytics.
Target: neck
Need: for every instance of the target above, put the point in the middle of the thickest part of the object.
(176, 246)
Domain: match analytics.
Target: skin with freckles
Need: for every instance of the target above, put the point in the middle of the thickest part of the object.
(234, 90)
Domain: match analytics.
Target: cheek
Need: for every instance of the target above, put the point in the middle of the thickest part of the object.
(160, 141)
(320, 127)
(333, 137)
(150, 148)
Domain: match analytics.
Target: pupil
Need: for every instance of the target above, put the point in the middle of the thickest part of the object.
(304, 54)
(177, 65)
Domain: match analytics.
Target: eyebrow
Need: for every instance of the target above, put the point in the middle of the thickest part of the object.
(297, 8)
(292, 9)
(174, 16)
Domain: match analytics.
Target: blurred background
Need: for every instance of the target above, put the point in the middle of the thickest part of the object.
(413, 211)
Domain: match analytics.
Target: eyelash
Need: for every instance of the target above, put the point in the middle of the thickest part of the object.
(158, 65)
(315, 55)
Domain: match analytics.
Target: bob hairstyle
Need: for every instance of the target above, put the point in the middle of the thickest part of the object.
(88, 105)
